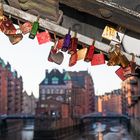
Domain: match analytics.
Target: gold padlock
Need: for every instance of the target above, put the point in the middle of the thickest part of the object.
(114, 57)
(1, 11)
(123, 60)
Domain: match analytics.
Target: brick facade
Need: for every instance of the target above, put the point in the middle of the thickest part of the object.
(110, 102)
(69, 93)
(11, 87)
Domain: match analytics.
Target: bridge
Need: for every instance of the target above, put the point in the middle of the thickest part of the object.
(104, 116)
(94, 117)
(17, 117)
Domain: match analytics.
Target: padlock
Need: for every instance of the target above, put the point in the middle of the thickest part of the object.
(73, 44)
(14, 39)
(133, 63)
(114, 57)
(81, 53)
(130, 69)
(123, 60)
(109, 32)
(57, 57)
(7, 27)
(67, 40)
(98, 59)
(90, 52)
(73, 59)
(43, 37)
(60, 44)
(34, 29)
(53, 50)
(1, 11)
(120, 73)
(25, 28)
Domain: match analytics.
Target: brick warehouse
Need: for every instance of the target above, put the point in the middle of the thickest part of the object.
(11, 87)
(67, 94)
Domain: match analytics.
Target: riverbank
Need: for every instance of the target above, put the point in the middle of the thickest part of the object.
(25, 133)
(10, 126)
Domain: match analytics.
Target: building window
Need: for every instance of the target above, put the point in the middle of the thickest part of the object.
(61, 91)
(57, 91)
(59, 98)
(43, 91)
(46, 81)
(49, 97)
(52, 106)
(55, 80)
(42, 105)
(43, 97)
(48, 91)
(52, 91)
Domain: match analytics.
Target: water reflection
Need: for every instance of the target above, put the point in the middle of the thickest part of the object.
(98, 132)
(25, 134)
(100, 136)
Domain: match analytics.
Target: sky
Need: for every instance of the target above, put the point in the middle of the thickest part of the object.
(30, 60)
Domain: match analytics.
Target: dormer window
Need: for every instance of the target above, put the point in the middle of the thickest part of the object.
(46, 81)
(55, 80)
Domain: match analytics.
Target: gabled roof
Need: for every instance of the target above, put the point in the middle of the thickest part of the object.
(67, 77)
(53, 75)
(77, 78)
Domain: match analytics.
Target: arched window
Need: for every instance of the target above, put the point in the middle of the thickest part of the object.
(59, 98)
(55, 80)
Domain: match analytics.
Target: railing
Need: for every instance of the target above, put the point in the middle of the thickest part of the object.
(13, 117)
(106, 116)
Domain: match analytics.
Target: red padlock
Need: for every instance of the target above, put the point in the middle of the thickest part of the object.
(90, 52)
(98, 59)
(7, 27)
(60, 44)
(73, 59)
(120, 73)
(43, 37)
(26, 27)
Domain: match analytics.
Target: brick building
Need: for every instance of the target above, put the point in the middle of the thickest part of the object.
(28, 103)
(131, 91)
(3, 88)
(11, 87)
(110, 102)
(66, 94)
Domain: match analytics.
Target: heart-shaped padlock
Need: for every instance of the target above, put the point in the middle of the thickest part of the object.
(57, 57)
(14, 39)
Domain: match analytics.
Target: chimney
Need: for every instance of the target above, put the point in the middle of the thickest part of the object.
(46, 72)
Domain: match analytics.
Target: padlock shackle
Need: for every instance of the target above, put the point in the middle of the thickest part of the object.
(69, 30)
(55, 38)
(75, 34)
(93, 42)
(133, 57)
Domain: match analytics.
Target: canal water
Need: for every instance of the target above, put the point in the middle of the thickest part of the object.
(97, 133)
(26, 133)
